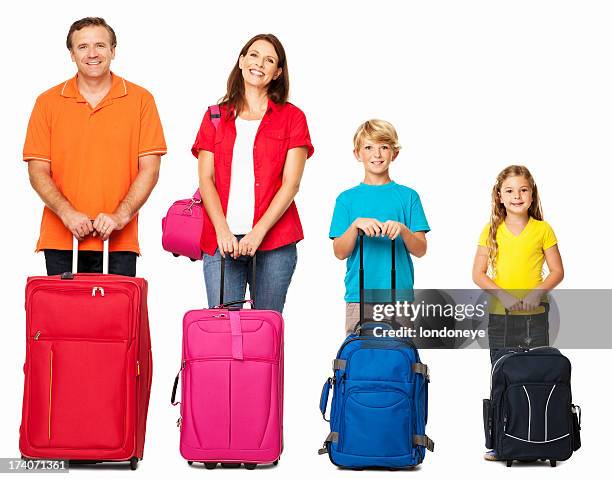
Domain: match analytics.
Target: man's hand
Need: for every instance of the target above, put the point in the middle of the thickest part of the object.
(106, 223)
(78, 223)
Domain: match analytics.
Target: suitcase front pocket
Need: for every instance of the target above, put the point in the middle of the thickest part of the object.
(377, 423)
(537, 419)
(78, 394)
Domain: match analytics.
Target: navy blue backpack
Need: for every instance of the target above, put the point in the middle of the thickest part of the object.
(379, 405)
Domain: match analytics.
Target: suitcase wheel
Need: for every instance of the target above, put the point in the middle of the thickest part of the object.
(190, 462)
(175, 255)
(250, 466)
(209, 465)
(275, 463)
(133, 463)
(553, 463)
(509, 463)
(230, 465)
(194, 260)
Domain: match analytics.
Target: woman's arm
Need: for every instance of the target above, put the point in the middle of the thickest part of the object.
(479, 276)
(210, 198)
(292, 175)
(555, 276)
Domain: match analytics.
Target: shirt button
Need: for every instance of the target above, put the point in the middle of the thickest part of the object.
(256, 184)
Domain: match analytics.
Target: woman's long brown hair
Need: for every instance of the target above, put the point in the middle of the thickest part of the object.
(278, 90)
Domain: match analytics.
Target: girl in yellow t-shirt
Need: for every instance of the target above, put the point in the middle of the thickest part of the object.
(509, 261)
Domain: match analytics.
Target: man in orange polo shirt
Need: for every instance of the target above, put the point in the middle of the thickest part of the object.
(93, 148)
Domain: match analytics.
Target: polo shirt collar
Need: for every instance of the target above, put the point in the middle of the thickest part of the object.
(117, 90)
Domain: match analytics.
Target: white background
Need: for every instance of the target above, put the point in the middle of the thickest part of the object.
(471, 86)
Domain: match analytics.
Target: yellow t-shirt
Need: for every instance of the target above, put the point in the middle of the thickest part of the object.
(520, 258)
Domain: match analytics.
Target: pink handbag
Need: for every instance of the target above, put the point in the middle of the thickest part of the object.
(182, 225)
(231, 386)
(182, 228)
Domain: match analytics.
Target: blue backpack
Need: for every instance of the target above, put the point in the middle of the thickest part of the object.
(379, 404)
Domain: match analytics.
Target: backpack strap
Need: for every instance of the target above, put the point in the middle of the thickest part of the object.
(420, 368)
(215, 115)
(424, 441)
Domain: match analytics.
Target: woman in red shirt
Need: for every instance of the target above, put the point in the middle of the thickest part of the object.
(250, 166)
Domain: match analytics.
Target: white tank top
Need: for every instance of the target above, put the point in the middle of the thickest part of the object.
(241, 201)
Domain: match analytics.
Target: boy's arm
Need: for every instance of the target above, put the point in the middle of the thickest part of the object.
(345, 244)
(416, 243)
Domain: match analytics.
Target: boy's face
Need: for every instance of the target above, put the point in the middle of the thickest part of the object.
(376, 157)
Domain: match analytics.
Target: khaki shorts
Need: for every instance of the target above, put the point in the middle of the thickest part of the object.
(352, 317)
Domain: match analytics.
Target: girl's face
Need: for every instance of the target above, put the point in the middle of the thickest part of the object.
(259, 65)
(516, 195)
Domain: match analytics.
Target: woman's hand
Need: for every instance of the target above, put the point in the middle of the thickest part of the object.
(370, 226)
(250, 242)
(532, 300)
(511, 303)
(227, 243)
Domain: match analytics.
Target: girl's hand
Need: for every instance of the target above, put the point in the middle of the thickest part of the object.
(227, 243)
(532, 300)
(370, 226)
(250, 242)
(392, 229)
(510, 302)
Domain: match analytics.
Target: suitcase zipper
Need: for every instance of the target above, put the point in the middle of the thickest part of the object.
(50, 390)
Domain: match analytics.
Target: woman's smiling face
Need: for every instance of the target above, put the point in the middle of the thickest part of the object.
(259, 65)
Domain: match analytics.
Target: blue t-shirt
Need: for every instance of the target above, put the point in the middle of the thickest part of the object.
(382, 202)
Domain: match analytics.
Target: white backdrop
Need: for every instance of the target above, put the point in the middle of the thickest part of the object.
(471, 87)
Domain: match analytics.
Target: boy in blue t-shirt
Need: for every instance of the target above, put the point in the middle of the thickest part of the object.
(384, 210)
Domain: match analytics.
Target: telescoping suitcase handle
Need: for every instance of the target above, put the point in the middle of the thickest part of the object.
(75, 256)
(361, 278)
(251, 290)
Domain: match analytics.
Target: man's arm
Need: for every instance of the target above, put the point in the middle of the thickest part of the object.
(137, 195)
(40, 178)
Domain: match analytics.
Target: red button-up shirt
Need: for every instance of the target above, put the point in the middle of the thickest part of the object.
(282, 128)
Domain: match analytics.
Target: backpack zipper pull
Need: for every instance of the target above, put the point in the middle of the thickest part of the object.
(37, 335)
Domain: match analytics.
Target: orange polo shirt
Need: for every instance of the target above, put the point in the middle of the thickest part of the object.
(93, 154)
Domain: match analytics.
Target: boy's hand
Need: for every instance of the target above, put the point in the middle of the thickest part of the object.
(370, 226)
(392, 229)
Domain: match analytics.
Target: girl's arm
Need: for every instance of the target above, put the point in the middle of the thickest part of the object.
(210, 198)
(555, 276)
(292, 175)
(479, 276)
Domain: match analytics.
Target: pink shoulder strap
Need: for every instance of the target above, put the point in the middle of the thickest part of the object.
(215, 115)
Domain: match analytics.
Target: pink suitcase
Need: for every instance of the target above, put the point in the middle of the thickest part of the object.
(231, 387)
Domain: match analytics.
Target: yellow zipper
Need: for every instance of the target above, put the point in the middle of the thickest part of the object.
(50, 387)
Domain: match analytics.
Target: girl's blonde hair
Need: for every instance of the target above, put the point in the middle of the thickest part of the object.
(498, 211)
(380, 131)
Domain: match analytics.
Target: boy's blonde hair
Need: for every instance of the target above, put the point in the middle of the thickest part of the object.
(380, 131)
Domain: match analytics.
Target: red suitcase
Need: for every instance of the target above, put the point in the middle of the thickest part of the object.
(88, 367)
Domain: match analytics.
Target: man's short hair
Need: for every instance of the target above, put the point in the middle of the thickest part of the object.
(380, 131)
(90, 22)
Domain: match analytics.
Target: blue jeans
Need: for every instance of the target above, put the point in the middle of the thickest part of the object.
(274, 270)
